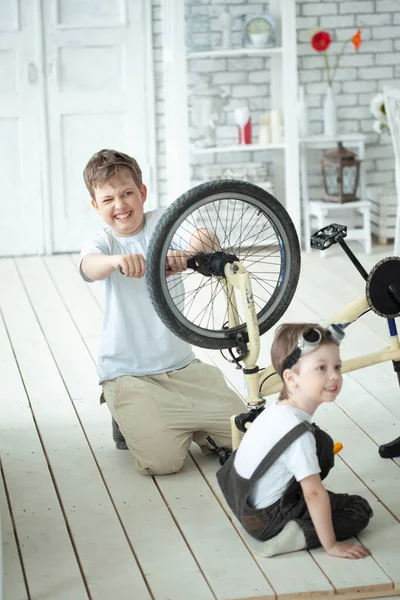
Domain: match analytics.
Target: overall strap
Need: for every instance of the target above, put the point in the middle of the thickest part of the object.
(279, 448)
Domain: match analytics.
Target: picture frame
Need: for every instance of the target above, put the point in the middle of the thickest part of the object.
(258, 30)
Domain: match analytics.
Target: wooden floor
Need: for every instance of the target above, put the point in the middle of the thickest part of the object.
(78, 522)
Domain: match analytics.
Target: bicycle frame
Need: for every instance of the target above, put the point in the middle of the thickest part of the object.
(267, 382)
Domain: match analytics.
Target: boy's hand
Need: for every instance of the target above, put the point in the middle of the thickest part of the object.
(176, 262)
(130, 265)
(348, 550)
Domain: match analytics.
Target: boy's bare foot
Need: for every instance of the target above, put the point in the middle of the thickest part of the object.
(118, 437)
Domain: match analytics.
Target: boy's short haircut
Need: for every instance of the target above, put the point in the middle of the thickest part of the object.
(107, 163)
(286, 341)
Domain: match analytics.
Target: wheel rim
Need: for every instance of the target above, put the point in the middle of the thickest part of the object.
(247, 228)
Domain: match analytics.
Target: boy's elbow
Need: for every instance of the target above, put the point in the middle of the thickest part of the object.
(88, 270)
(313, 494)
(312, 488)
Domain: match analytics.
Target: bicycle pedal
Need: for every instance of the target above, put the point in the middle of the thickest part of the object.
(327, 236)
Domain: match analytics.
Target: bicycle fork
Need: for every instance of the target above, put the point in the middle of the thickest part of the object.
(238, 277)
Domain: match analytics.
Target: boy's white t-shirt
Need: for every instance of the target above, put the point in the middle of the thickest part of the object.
(135, 341)
(299, 460)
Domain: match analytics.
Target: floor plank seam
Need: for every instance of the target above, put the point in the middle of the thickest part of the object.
(179, 528)
(68, 311)
(87, 440)
(370, 490)
(369, 392)
(52, 475)
(211, 487)
(362, 429)
(86, 334)
(17, 543)
(154, 478)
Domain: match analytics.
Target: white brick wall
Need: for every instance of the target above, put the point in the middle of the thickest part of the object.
(360, 75)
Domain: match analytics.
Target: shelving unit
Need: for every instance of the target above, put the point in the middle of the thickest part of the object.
(238, 148)
(283, 96)
(236, 52)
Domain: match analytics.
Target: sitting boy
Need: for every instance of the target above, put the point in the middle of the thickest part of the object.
(159, 394)
(273, 481)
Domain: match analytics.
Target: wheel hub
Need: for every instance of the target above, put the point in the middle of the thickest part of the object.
(211, 265)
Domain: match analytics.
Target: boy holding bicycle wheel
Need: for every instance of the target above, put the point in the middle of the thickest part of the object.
(273, 482)
(159, 394)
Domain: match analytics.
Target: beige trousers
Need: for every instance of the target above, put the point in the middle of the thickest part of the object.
(160, 415)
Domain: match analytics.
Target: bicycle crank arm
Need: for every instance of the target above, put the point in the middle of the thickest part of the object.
(334, 234)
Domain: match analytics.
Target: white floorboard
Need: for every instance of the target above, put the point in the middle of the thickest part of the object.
(13, 583)
(89, 526)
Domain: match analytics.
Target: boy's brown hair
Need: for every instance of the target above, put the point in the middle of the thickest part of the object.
(286, 342)
(107, 163)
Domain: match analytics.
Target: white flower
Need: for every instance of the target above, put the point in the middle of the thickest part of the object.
(377, 107)
(377, 126)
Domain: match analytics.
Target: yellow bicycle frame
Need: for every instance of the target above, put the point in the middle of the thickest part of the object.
(238, 278)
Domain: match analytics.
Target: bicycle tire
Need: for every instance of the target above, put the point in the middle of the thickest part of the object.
(184, 206)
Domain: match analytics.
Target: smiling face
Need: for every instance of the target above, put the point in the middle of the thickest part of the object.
(119, 202)
(316, 378)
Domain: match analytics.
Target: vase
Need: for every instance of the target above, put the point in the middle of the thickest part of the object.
(245, 133)
(276, 126)
(330, 115)
(226, 21)
(207, 102)
(302, 113)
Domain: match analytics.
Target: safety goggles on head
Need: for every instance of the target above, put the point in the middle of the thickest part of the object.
(310, 340)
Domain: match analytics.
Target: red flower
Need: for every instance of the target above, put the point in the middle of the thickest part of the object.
(356, 39)
(321, 41)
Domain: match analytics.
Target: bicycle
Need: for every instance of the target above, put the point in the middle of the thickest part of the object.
(252, 246)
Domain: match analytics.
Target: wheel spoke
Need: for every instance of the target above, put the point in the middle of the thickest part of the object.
(240, 220)
(243, 230)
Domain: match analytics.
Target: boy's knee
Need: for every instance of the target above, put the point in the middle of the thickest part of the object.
(362, 509)
(160, 453)
(157, 467)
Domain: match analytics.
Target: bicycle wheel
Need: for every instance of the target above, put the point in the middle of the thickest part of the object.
(244, 221)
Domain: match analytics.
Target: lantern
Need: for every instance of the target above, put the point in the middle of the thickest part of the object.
(340, 174)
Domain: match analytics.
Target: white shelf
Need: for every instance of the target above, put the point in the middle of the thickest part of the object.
(281, 72)
(238, 148)
(235, 52)
(340, 137)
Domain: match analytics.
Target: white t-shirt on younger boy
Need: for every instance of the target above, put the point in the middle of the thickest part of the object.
(299, 460)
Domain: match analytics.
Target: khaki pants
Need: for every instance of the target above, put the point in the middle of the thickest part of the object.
(160, 415)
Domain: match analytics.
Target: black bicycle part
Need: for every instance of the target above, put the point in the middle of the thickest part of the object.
(382, 289)
(334, 233)
(244, 418)
(211, 264)
(353, 258)
(250, 225)
(327, 236)
(223, 453)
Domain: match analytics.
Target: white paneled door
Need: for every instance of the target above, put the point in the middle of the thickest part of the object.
(97, 98)
(21, 204)
(87, 87)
